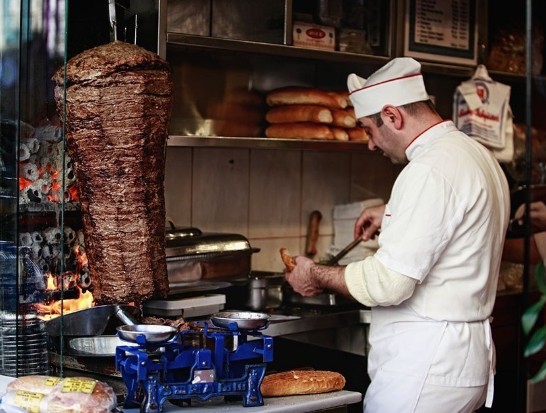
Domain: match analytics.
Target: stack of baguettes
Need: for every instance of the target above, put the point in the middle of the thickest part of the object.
(297, 112)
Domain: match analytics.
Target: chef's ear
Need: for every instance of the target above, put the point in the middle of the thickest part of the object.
(390, 114)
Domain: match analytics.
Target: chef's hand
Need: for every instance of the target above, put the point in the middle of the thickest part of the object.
(537, 214)
(301, 279)
(369, 222)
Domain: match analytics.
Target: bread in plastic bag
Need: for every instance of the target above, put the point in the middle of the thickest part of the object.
(48, 394)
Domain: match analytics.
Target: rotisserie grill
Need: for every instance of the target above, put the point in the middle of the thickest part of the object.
(117, 102)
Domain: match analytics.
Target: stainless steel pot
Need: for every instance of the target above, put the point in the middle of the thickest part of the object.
(265, 291)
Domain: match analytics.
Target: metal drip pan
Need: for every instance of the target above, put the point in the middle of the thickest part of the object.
(100, 346)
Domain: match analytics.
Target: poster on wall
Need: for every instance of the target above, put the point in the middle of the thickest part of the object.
(441, 30)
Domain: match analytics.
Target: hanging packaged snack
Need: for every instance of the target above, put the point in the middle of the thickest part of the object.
(481, 109)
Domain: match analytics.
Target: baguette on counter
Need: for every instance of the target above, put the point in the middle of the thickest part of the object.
(293, 382)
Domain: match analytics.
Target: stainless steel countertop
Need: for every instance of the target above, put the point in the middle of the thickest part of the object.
(289, 404)
(284, 325)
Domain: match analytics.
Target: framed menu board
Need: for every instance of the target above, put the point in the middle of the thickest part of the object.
(441, 30)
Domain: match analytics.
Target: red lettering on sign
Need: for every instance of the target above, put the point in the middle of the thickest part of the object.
(315, 33)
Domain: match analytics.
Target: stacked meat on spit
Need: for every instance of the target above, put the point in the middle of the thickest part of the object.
(117, 101)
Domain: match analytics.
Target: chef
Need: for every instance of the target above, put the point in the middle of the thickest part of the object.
(432, 283)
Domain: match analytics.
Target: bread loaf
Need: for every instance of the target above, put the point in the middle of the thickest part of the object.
(38, 383)
(343, 118)
(303, 130)
(294, 382)
(287, 259)
(299, 113)
(294, 95)
(340, 134)
(342, 96)
(357, 134)
(53, 394)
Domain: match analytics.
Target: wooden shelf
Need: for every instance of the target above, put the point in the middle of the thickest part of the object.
(205, 43)
(264, 143)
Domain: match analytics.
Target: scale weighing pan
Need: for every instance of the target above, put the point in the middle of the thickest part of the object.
(245, 320)
(151, 332)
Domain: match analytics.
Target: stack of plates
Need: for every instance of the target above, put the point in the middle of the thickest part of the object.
(23, 345)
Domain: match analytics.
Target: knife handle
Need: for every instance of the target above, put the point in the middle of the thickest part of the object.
(312, 234)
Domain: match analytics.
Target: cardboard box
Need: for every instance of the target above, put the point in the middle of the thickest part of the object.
(314, 36)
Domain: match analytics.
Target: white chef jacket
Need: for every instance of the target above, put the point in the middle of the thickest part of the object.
(444, 226)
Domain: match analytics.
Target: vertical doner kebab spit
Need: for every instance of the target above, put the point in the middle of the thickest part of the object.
(118, 103)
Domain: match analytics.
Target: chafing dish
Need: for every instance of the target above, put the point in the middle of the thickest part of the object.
(195, 255)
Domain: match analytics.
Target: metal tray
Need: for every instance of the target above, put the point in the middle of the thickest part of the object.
(245, 320)
(100, 346)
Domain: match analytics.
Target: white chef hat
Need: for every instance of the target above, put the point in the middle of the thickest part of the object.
(397, 83)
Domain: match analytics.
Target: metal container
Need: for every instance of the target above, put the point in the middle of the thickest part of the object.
(195, 255)
(93, 321)
(98, 346)
(265, 291)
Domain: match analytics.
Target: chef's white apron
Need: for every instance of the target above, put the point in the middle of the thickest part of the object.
(408, 352)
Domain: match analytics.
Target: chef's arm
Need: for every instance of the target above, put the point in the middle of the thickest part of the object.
(372, 284)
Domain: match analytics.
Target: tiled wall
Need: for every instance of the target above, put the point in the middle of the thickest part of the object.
(267, 195)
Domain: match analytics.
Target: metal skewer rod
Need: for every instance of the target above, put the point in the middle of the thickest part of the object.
(112, 15)
(136, 28)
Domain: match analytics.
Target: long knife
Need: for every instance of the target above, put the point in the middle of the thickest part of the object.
(344, 252)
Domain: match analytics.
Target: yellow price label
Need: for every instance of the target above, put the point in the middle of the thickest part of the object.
(28, 400)
(72, 385)
(52, 381)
